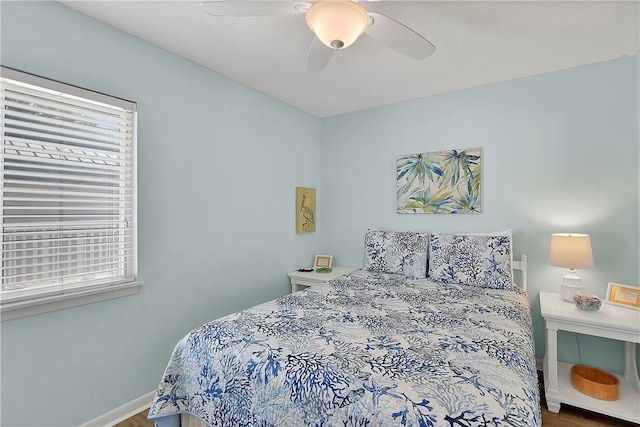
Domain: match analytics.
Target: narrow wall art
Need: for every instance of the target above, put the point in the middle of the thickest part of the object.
(439, 182)
(305, 210)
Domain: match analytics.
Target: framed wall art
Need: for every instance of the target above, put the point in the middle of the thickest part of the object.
(305, 210)
(439, 182)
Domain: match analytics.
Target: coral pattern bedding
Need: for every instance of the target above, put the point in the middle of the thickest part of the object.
(366, 349)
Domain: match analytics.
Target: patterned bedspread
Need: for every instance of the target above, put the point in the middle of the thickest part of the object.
(368, 349)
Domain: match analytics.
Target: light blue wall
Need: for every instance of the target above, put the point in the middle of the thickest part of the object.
(217, 171)
(218, 167)
(560, 155)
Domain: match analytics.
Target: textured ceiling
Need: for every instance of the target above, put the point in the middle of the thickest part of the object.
(477, 43)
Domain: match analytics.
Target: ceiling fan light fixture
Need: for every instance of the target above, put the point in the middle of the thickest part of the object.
(337, 23)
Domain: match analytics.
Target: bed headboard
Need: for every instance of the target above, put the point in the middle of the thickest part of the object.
(522, 266)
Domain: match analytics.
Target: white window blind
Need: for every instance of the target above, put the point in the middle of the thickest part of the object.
(68, 187)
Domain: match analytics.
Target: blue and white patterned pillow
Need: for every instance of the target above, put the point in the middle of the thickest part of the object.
(396, 252)
(475, 260)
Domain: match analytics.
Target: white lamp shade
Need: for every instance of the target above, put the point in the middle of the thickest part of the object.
(571, 251)
(337, 20)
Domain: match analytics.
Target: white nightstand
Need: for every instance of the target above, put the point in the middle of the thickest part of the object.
(612, 322)
(312, 278)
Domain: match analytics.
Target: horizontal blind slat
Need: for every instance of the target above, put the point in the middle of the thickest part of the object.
(112, 198)
(127, 185)
(48, 163)
(120, 195)
(10, 228)
(32, 95)
(11, 254)
(68, 241)
(41, 116)
(77, 258)
(76, 179)
(86, 135)
(24, 132)
(114, 202)
(106, 268)
(120, 210)
(55, 145)
(61, 239)
(65, 229)
(25, 142)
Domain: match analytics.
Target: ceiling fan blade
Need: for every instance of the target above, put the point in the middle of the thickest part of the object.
(399, 37)
(254, 7)
(318, 56)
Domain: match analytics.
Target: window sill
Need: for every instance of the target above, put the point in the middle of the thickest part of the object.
(45, 304)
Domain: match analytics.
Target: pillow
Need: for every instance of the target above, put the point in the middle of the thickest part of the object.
(506, 233)
(475, 260)
(396, 252)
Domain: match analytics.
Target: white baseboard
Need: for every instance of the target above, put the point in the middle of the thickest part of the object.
(123, 412)
(539, 364)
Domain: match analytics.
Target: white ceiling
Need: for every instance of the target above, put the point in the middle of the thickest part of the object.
(477, 43)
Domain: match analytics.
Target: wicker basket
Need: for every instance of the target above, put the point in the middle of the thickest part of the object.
(595, 382)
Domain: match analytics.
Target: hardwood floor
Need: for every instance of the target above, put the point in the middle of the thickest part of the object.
(138, 420)
(568, 417)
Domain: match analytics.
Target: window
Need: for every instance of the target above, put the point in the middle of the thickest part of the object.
(68, 188)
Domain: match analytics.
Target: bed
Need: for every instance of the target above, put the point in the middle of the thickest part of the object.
(431, 332)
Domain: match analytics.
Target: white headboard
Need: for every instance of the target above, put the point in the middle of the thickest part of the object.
(522, 266)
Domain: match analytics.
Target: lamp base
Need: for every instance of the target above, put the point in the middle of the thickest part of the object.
(571, 285)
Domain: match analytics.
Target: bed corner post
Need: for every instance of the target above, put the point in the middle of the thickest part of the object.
(523, 269)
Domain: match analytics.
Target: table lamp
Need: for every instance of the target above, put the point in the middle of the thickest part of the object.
(572, 251)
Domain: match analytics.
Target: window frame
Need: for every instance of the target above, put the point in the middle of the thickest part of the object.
(36, 302)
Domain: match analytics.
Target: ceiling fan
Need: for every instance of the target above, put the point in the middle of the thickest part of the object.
(337, 24)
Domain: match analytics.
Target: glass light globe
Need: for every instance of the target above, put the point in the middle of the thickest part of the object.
(337, 23)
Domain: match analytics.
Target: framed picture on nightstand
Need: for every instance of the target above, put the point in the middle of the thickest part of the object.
(623, 295)
(323, 261)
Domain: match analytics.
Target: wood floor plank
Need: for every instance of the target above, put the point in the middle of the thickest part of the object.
(138, 420)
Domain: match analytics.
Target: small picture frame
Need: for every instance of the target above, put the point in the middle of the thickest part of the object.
(322, 261)
(623, 295)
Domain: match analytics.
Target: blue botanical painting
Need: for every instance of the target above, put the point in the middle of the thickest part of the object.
(440, 182)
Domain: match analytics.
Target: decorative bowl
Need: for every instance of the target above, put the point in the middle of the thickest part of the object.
(587, 302)
(595, 382)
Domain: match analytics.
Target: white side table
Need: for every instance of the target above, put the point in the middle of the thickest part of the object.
(612, 322)
(312, 278)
